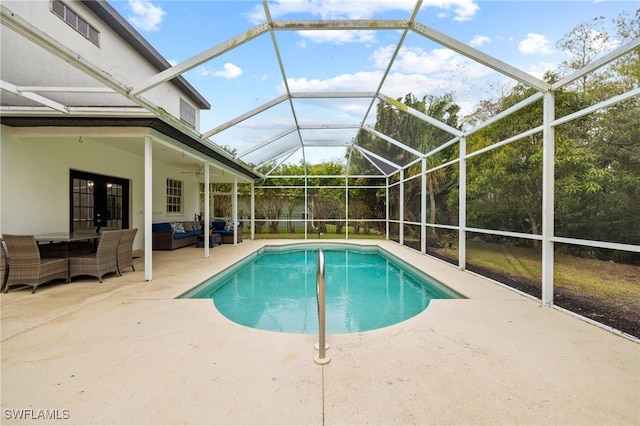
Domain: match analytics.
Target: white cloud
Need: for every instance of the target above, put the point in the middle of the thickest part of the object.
(342, 109)
(463, 9)
(538, 70)
(145, 15)
(599, 42)
(229, 71)
(337, 36)
(437, 62)
(278, 124)
(397, 84)
(535, 44)
(382, 56)
(479, 40)
(362, 81)
(331, 9)
(414, 71)
(334, 9)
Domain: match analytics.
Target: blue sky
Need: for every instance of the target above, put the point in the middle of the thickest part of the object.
(520, 33)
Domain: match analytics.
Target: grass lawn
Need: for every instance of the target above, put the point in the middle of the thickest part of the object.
(299, 234)
(588, 276)
(310, 236)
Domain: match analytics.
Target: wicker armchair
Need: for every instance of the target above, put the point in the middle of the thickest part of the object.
(100, 263)
(125, 249)
(4, 269)
(26, 268)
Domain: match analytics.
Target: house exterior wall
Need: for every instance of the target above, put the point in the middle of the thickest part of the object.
(34, 182)
(35, 163)
(113, 55)
(191, 185)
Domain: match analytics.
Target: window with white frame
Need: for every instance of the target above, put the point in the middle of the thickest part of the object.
(174, 196)
(187, 113)
(74, 20)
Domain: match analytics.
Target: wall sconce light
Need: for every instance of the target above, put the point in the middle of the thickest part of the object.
(80, 139)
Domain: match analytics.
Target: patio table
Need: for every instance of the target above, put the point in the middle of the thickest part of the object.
(67, 237)
(66, 244)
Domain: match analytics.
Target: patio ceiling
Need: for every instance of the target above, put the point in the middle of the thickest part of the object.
(287, 128)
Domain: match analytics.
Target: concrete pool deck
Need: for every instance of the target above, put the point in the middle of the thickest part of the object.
(127, 352)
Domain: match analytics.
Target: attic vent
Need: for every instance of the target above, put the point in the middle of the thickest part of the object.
(187, 113)
(75, 21)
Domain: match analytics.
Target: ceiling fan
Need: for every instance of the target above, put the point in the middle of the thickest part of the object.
(199, 171)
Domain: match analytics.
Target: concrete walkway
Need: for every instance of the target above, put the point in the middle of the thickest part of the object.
(126, 352)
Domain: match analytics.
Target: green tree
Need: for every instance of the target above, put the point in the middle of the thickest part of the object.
(583, 44)
(419, 135)
(597, 156)
(607, 207)
(504, 186)
(425, 137)
(293, 193)
(325, 202)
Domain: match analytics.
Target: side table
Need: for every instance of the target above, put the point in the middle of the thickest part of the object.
(214, 239)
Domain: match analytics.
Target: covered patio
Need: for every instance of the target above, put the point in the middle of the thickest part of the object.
(114, 353)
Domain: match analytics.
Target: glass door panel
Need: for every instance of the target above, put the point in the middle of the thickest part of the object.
(98, 201)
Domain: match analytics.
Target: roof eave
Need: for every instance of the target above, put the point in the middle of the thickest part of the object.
(113, 19)
(149, 122)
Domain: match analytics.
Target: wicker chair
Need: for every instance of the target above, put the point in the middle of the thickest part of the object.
(4, 268)
(125, 249)
(26, 268)
(100, 263)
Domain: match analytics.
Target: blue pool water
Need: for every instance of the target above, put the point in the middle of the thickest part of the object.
(366, 289)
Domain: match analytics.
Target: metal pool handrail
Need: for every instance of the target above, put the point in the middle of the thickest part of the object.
(320, 295)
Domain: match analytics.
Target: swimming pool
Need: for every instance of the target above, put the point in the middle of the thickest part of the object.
(366, 288)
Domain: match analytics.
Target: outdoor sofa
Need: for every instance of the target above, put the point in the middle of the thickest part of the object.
(225, 229)
(173, 235)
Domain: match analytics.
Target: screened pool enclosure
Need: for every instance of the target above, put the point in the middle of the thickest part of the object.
(490, 168)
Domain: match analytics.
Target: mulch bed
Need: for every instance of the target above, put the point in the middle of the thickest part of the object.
(621, 316)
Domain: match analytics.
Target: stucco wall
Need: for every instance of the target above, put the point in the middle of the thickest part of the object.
(113, 56)
(34, 177)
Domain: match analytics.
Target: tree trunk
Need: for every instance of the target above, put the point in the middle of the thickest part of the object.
(433, 238)
(534, 224)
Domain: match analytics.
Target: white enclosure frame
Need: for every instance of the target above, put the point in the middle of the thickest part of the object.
(145, 108)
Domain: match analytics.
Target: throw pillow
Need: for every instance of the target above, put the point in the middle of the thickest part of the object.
(228, 226)
(179, 228)
(187, 227)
